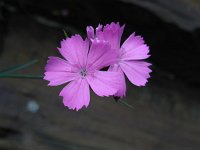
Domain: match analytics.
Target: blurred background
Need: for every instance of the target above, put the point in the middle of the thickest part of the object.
(166, 113)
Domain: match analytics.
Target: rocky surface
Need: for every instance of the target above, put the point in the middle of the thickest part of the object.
(166, 114)
(184, 13)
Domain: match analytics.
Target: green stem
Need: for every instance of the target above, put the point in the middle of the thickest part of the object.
(21, 76)
(126, 104)
(65, 33)
(18, 67)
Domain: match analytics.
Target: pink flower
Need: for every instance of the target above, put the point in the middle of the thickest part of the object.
(81, 68)
(129, 55)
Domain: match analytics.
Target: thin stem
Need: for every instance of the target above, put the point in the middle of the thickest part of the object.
(18, 67)
(126, 104)
(65, 33)
(21, 76)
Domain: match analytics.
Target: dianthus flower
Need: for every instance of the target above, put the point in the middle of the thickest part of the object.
(81, 68)
(130, 54)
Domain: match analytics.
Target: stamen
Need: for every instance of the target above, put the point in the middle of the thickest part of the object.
(83, 72)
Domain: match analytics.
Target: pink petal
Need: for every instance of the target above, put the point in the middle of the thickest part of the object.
(136, 71)
(75, 50)
(100, 55)
(57, 64)
(138, 53)
(99, 29)
(112, 33)
(104, 83)
(90, 32)
(76, 94)
(58, 78)
(132, 43)
(122, 88)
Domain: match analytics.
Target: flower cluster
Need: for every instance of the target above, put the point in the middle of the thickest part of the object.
(84, 60)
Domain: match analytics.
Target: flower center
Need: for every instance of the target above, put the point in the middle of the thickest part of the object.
(83, 72)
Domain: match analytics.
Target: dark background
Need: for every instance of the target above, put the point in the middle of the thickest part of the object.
(166, 113)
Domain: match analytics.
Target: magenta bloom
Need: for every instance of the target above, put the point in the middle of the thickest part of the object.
(81, 68)
(129, 55)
